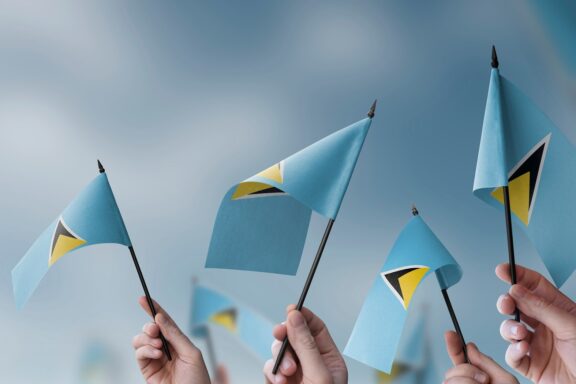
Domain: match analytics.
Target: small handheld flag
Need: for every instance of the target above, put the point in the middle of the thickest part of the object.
(91, 218)
(524, 164)
(416, 253)
(212, 307)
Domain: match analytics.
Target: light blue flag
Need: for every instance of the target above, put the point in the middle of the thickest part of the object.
(252, 330)
(520, 147)
(416, 253)
(92, 218)
(263, 221)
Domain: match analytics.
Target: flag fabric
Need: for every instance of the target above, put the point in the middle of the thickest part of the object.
(211, 307)
(263, 221)
(416, 253)
(92, 218)
(521, 148)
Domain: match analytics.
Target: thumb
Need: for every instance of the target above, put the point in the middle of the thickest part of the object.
(560, 322)
(487, 365)
(305, 347)
(178, 340)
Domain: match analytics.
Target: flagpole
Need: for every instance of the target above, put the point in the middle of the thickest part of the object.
(450, 309)
(285, 342)
(508, 215)
(144, 286)
(300, 305)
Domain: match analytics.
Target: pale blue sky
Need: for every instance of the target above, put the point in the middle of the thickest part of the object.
(181, 100)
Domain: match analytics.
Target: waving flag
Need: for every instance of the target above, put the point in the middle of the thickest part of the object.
(92, 218)
(521, 148)
(262, 222)
(211, 307)
(416, 253)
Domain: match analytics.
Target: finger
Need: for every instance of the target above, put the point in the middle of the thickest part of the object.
(270, 377)
(514, 331)
(535, 282)
(560, 322)
(151, 329)
(468, 371)
(178, 340)
(144, 304)
(517, 357)
(305, 347)
(279, 332)
(487, 365)
(454, 348)
(147, 352)
(507, 306)
(143, 339)
(319, 331)
(288, 365)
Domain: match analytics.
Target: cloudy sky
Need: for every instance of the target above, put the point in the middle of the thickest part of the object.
(180, 100)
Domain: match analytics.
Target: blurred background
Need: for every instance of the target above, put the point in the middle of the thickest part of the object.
(182, 99)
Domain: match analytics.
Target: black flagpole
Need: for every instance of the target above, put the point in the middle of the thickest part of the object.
(143, 282)
(285, 342)
(508, 215)
(451, 310)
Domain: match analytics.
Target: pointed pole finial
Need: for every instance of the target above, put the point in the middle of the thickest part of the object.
(495, 63)
(101, 167)
(415, 210)
(372, 110)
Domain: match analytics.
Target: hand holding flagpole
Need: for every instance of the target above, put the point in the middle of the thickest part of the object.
(300, 304)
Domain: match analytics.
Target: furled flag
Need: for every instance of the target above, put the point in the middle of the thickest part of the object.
(416, 253)
(521, 148)
(413, 363)
(211, 307)
(92, 218)
(263, 221)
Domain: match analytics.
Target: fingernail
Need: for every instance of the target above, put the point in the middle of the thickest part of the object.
(480, 377)
(296, 319)
(286, 364)
(514, 330)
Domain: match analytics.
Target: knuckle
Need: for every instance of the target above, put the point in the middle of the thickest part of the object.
(306, 341)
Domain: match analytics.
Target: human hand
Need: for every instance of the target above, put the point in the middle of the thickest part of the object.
(313, 358)
(543, 349)
(481, 370)
(186, 366)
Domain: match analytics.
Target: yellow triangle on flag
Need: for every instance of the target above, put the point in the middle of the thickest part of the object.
(519, 190)
(409, 282)
(64, 244)
(226, 319)
(247, 188)
(273, 173)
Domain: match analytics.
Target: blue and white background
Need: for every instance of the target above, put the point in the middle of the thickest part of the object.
(180, 100)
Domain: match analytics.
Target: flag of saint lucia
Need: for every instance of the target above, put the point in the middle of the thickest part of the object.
(520, 147)
(263, 221)
(211, 307)
(416, 253)
(92, 218)
(253, 330)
